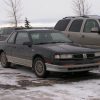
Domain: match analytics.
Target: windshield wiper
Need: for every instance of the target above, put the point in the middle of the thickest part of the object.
(52, 42)
(41, 43)
(60, 42)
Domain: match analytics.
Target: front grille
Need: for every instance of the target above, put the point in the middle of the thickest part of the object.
(78, 56)
(83, 56)
(90, 55)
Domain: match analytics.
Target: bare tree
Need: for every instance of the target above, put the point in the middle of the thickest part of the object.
(81, 7)
(14, 10)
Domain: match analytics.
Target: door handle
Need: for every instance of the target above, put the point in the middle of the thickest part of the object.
(68, 35)
(12, 46)
(83, 36)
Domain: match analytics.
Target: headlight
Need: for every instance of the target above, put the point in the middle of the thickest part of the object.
(97, 54)
(63, 56)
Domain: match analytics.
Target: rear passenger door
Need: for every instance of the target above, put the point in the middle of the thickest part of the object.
(10, 46)
(90, 38)
(74, 30)
(22, 54)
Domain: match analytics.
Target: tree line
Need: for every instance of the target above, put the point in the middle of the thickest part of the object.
(80, 7)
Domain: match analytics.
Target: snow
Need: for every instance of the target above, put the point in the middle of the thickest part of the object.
(72, 91)
(54, 89)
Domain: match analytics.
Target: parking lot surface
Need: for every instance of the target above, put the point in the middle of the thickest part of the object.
(20, 83)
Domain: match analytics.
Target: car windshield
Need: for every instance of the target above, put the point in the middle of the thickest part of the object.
(46, 37)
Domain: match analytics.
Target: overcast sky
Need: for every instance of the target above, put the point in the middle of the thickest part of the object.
(47, 10)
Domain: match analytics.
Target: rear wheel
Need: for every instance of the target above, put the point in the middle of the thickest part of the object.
(39, 67)
(4, 61)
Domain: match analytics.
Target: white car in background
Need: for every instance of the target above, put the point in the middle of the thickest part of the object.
(84, 30)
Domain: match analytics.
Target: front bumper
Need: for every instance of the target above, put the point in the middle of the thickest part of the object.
(72, 68)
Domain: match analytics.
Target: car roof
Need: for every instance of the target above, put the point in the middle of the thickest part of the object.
(83, 17)
(29, 30)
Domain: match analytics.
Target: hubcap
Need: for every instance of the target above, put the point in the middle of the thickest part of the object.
(39, 67)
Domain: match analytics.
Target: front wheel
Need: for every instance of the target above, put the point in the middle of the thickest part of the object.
(4, 61)
(39, 67)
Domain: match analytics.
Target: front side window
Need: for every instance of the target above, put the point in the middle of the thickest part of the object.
(22, 37)
(62, 24)
(49, 37)
(76, 25)
(90, 23)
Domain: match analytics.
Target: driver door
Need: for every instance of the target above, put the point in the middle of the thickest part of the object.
(88, 37)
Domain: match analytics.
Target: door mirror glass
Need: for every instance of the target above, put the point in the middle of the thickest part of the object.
(95, 30)
(29, 44)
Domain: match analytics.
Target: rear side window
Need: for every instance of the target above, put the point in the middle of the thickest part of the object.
(62, 24)
(22, 37)
(76, 25)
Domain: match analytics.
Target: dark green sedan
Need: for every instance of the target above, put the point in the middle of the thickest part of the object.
(47, 50)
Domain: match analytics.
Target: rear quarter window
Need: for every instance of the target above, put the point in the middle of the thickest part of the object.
(12, 38)
(62, 24)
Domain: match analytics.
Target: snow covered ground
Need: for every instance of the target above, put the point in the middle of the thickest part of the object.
(21, 84)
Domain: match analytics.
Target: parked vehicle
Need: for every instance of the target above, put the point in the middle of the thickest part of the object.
(5, 32)
(47, 50)
(84, 30)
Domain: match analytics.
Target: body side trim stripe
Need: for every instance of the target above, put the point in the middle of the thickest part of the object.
(19, 61)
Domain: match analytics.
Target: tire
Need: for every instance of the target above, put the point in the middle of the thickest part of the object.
(4, 61)
(83, 72)
(39, 68)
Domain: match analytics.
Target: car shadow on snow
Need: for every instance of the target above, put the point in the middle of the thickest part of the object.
(63, 77)
(26, 78)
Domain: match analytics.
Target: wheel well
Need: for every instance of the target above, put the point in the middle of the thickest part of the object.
(36, 56)
(0, 53)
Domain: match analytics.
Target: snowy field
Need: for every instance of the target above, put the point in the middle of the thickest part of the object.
(20, 83)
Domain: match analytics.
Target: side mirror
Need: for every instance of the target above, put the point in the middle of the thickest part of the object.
(29, 44)
(95, 30)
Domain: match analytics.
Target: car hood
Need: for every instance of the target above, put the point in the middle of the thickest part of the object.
(67, 48)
